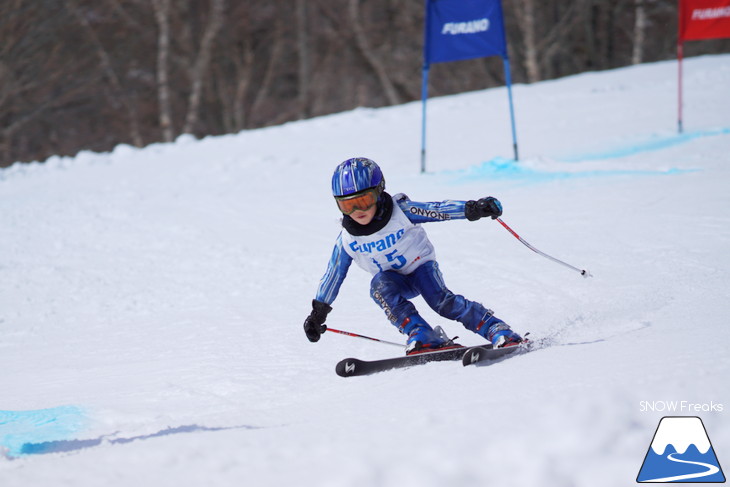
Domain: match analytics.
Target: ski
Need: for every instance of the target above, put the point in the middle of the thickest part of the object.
(486, 353)
(351, 367)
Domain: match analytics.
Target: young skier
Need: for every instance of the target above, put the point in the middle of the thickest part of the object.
(383, 235)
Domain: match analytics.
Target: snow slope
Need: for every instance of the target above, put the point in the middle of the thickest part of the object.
(151, 300)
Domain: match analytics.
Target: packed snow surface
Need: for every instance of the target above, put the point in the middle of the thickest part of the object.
(152, 300)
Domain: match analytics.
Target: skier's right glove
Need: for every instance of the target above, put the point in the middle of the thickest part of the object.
(484, 207)
(314, 324)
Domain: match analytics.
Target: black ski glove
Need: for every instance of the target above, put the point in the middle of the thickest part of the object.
(484, 207)
(314, 324)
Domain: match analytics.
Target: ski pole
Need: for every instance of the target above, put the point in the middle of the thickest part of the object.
(583, 272)
(350, 334)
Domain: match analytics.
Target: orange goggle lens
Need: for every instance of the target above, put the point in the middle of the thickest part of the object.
(361, 201)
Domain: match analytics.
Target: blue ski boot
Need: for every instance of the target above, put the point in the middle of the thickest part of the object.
(498, 332)
(501, 335)
(421, 337)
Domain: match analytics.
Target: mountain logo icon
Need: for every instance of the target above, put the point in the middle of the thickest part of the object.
(681, 452)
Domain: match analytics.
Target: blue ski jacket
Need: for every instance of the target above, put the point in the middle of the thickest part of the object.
(401, 245)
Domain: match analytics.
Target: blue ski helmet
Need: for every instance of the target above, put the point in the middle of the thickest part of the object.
(355, 175)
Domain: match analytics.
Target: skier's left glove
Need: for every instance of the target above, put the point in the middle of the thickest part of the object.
(314, 324)
(489, 206)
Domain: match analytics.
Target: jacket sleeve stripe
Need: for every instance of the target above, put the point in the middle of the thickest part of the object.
(329, 285)
(437, 211)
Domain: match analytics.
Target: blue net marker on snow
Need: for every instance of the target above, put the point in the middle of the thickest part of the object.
(26, 432)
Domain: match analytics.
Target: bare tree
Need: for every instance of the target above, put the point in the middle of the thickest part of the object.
(215, 21)
(162, 17)
(107, 67)
(554, 41)
(90, 74)
(269, 69)
(527, 23)
(373, 60)
(243, 77)
(303, 56)
(39, 78)
(640, 25)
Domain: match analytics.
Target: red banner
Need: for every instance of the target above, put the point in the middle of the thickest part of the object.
(704, 19)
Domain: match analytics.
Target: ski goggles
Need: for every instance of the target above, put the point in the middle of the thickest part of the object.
(363, 201)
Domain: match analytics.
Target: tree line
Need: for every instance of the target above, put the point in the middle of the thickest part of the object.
(91, 74)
